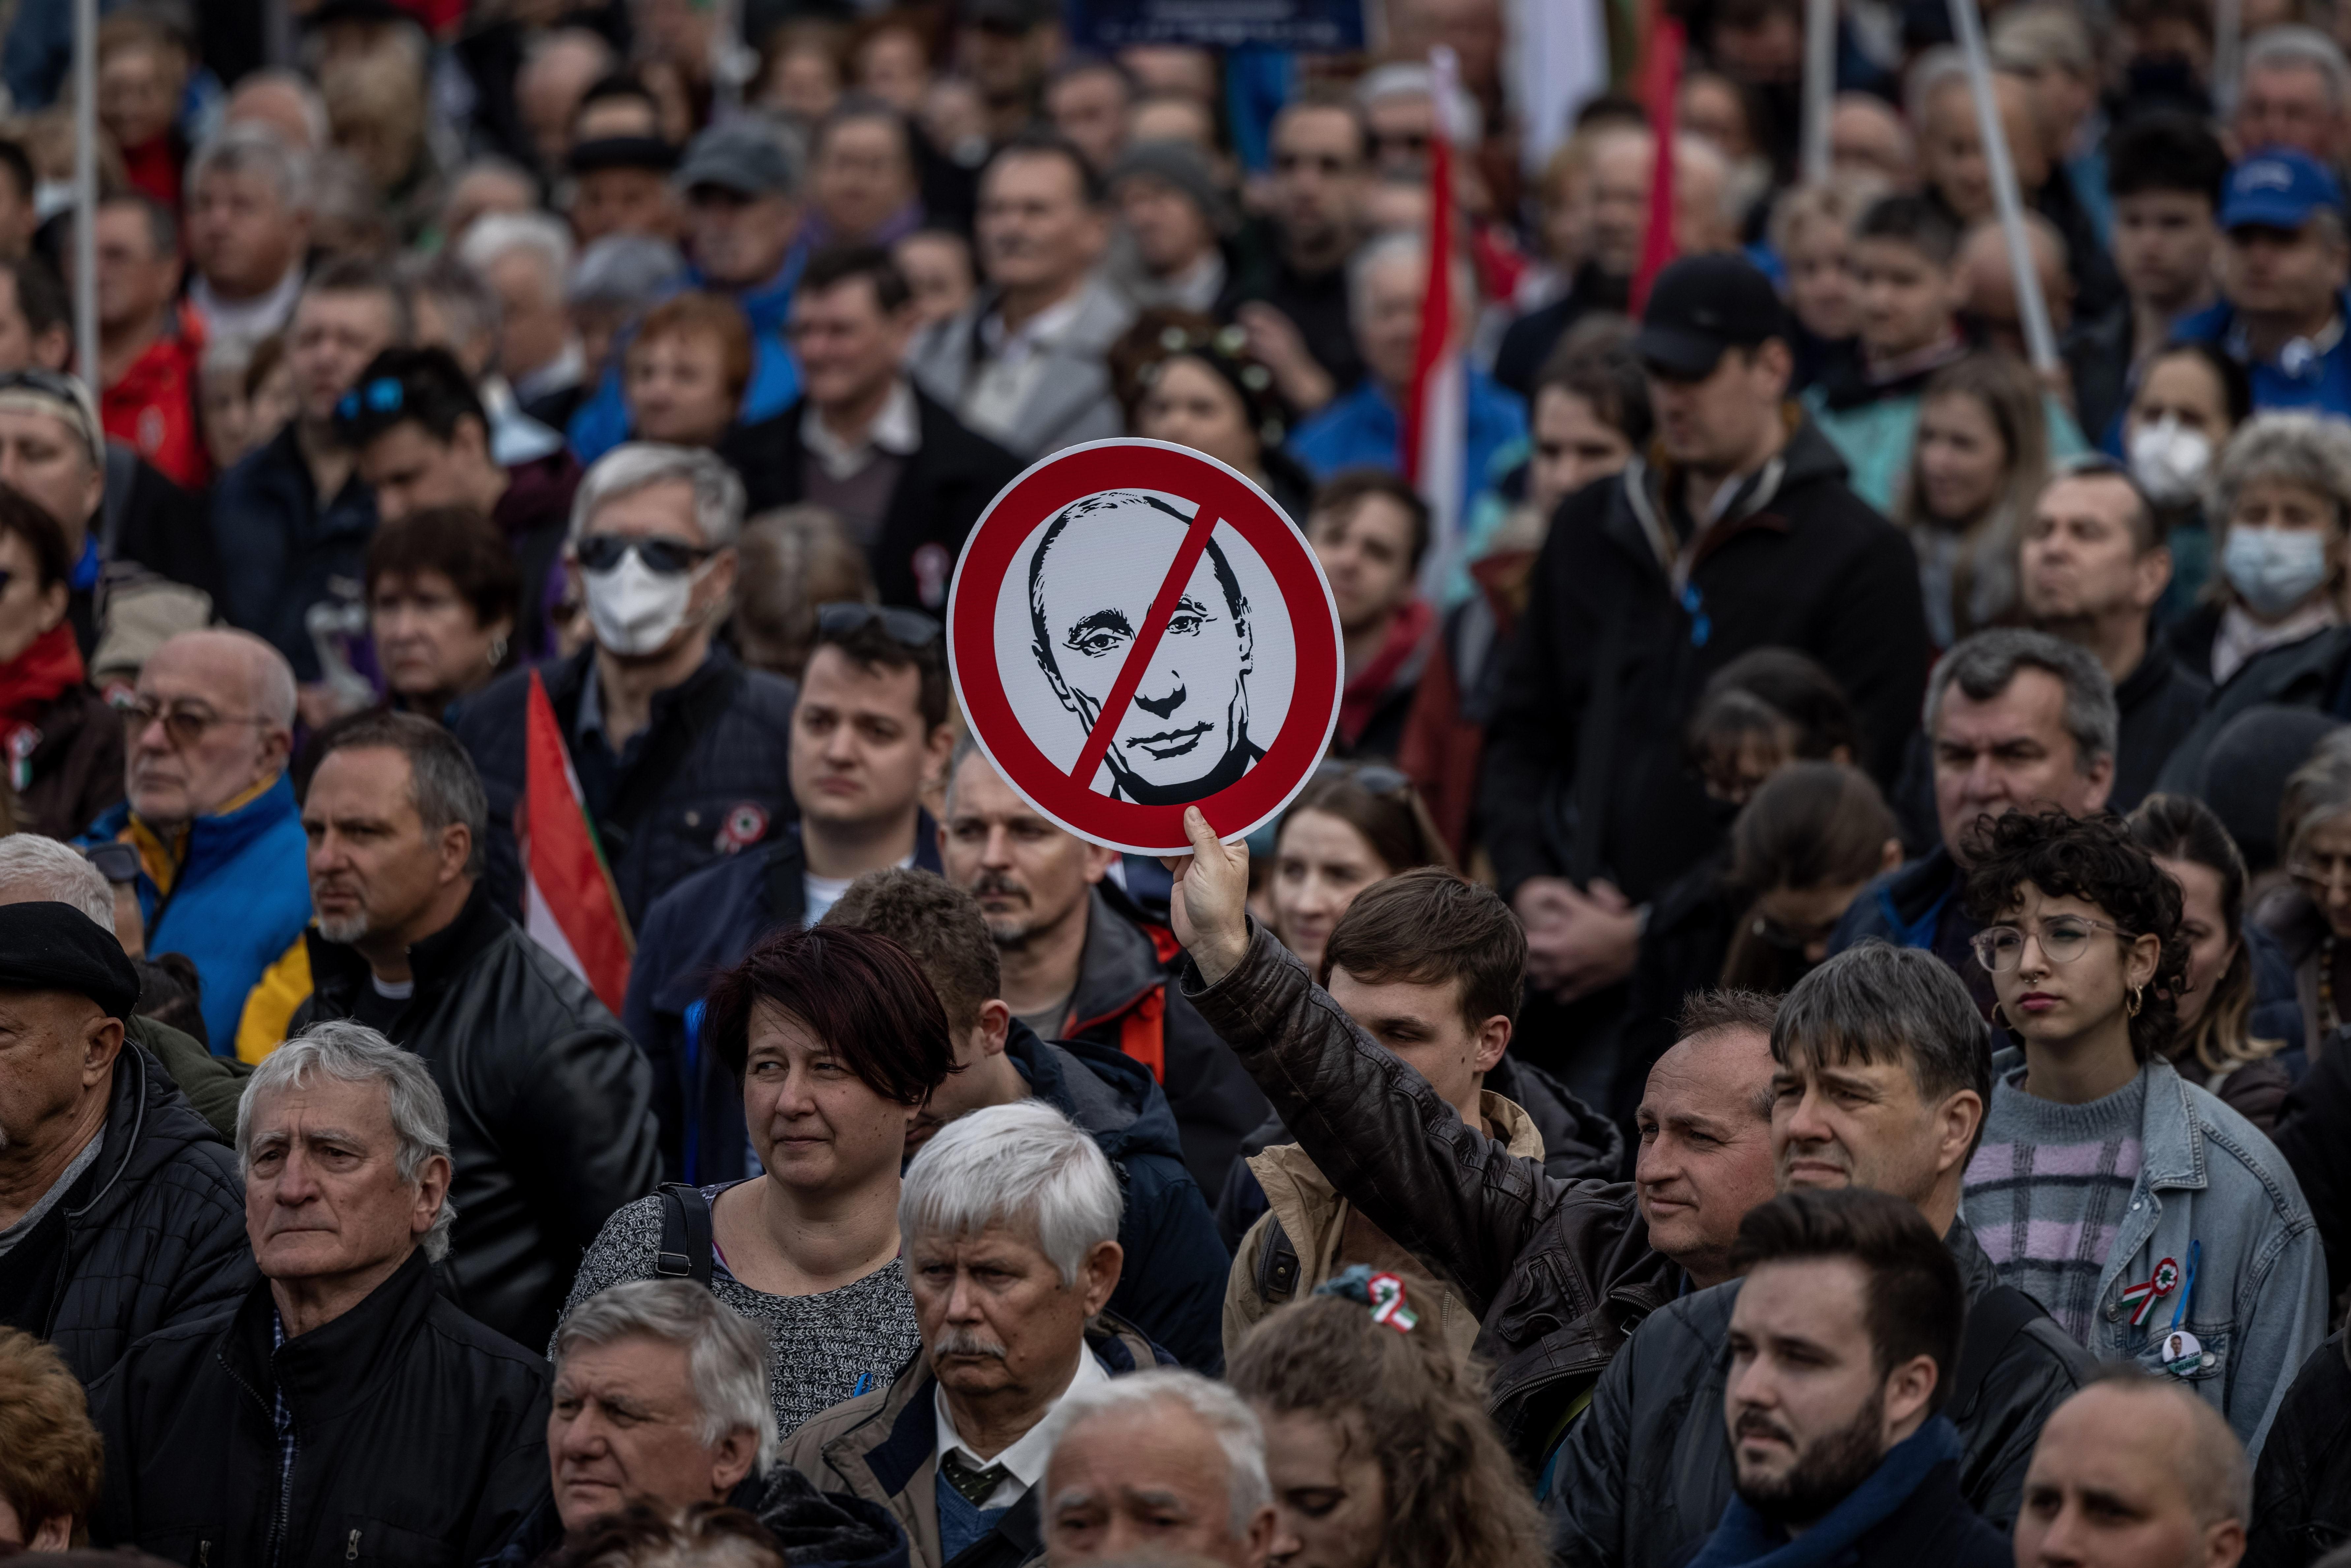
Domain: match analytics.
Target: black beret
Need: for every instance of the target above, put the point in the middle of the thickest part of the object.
(50, 946)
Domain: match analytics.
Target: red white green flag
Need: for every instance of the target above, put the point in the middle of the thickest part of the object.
(569, 905)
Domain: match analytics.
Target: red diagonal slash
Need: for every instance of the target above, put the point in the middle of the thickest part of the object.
(1146, 644)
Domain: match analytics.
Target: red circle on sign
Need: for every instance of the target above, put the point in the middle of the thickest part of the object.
(1024, 505)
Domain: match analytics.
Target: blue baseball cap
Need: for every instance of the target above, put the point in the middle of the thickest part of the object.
(2278, 189)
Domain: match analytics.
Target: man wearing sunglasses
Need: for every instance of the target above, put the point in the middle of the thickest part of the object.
(212, 813)
(682, 754)
(869, 735)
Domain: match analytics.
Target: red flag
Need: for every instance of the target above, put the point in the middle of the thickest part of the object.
(571, 906)
(1661, 86)
(1435, 440)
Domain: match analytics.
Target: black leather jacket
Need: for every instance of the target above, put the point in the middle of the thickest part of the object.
(1645, 1473)
(550, 1106)
(1559, 1272)
(419, 1437)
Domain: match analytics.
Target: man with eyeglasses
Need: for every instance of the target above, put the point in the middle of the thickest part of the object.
(869, 735)
(2014, 720)
(212, 813)
(680, 751)
(422, 436)
(890, 460)
(1300, 324)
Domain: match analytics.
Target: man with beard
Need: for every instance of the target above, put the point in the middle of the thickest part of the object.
(1842, 1346)
(1077, 962)
(554, 1127)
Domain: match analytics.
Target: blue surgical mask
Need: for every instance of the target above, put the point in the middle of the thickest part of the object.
(2274, 570)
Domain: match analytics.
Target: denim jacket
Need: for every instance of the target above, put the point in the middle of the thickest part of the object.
(2258, 1305)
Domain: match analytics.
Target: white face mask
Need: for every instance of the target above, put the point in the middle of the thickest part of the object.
(2169, 460)
(634, 609)
(2275, 568)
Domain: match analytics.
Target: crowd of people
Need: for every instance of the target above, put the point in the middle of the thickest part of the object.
(1794, 1024)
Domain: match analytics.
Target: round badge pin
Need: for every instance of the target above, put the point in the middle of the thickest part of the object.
(1134, 627)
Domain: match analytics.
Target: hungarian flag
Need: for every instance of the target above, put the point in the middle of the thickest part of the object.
(1661, 64)
(1436, 419)
(571, 906)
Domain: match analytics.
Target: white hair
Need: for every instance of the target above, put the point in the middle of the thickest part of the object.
(541, 234)
(634, 466)
(1222, 1411)
(1933, 70)
(354, 1054)
(727, 1354)
(1400, 244)
(1024, 1166)
(1465, 123)
(315, 119)
(248, 147)
(37, 870)
(2292, 44)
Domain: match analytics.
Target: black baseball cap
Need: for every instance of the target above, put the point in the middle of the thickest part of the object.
(1698, 306)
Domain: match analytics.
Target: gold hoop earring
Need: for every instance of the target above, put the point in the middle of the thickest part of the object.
(2137, 999)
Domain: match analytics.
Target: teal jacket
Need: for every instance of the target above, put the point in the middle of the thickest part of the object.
(241, 899)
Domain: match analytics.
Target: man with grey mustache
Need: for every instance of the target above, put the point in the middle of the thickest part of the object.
(1009, 1220)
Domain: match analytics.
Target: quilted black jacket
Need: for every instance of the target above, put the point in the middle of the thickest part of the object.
(721, 737)
(154, 1228)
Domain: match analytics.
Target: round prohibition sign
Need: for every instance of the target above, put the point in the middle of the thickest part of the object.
(1135, 627)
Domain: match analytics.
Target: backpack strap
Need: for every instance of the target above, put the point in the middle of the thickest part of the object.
(1277, 1266)
(1994, 1318)
(687, 1250)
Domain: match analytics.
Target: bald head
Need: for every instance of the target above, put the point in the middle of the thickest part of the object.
(1706, 1133)
(1867, 138)
(2135, 1471)
(222, 721)
(1991, 282)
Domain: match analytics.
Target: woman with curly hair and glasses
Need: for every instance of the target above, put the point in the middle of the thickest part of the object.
(2156, 1224)
(1376, 1438)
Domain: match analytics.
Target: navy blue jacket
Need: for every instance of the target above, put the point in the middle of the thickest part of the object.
(706, 924)
(1172, 1286)
(282, 548)
(721, 737)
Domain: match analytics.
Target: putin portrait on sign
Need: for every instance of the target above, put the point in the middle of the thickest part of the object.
(1091, 586)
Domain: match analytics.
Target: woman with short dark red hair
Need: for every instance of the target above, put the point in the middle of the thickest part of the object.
(838, 1042)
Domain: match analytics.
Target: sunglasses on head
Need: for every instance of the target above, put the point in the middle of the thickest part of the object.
(847, 617)
(663, 557)
(1377, 778)
(116, 863)
(383, 395)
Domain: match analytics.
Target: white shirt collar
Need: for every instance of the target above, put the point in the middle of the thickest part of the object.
(255, 318)
(561, 373)
(1024, 1460)
(1045, 327)
(897, 429)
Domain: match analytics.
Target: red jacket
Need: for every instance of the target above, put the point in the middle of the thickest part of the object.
(153, 406)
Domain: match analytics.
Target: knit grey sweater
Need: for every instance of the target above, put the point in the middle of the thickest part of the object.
(821, 1349)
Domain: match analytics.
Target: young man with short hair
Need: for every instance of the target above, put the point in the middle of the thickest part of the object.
(1843, 1346)
(869, 734)
(420, 437)
(2090, 568)
(1369, 530)
(1174, 1270)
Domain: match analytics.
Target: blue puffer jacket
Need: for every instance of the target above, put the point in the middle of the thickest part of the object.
(1173, 1284)
(242, 897)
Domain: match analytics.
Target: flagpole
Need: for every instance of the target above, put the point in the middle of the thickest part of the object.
(85, 114)
(1820, 85)
(2032, 309)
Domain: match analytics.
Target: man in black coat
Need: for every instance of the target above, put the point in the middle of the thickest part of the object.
(343, 1410)
(120, 1211)
(1739, 534)
(1843, 1345)
(553, 1104)
(898, 467)
(679, 750)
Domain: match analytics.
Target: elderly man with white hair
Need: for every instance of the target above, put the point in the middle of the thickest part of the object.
(526, 258)
(682, 754)
(118, 1206)
(211, 813)
(1009, 1220)
(1160, 1462)
(1365, 426)
(248, 221)
(661, 1398)
(346, 1410)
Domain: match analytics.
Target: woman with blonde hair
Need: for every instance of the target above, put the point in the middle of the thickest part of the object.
(1376, 1437)
(1980, 456)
